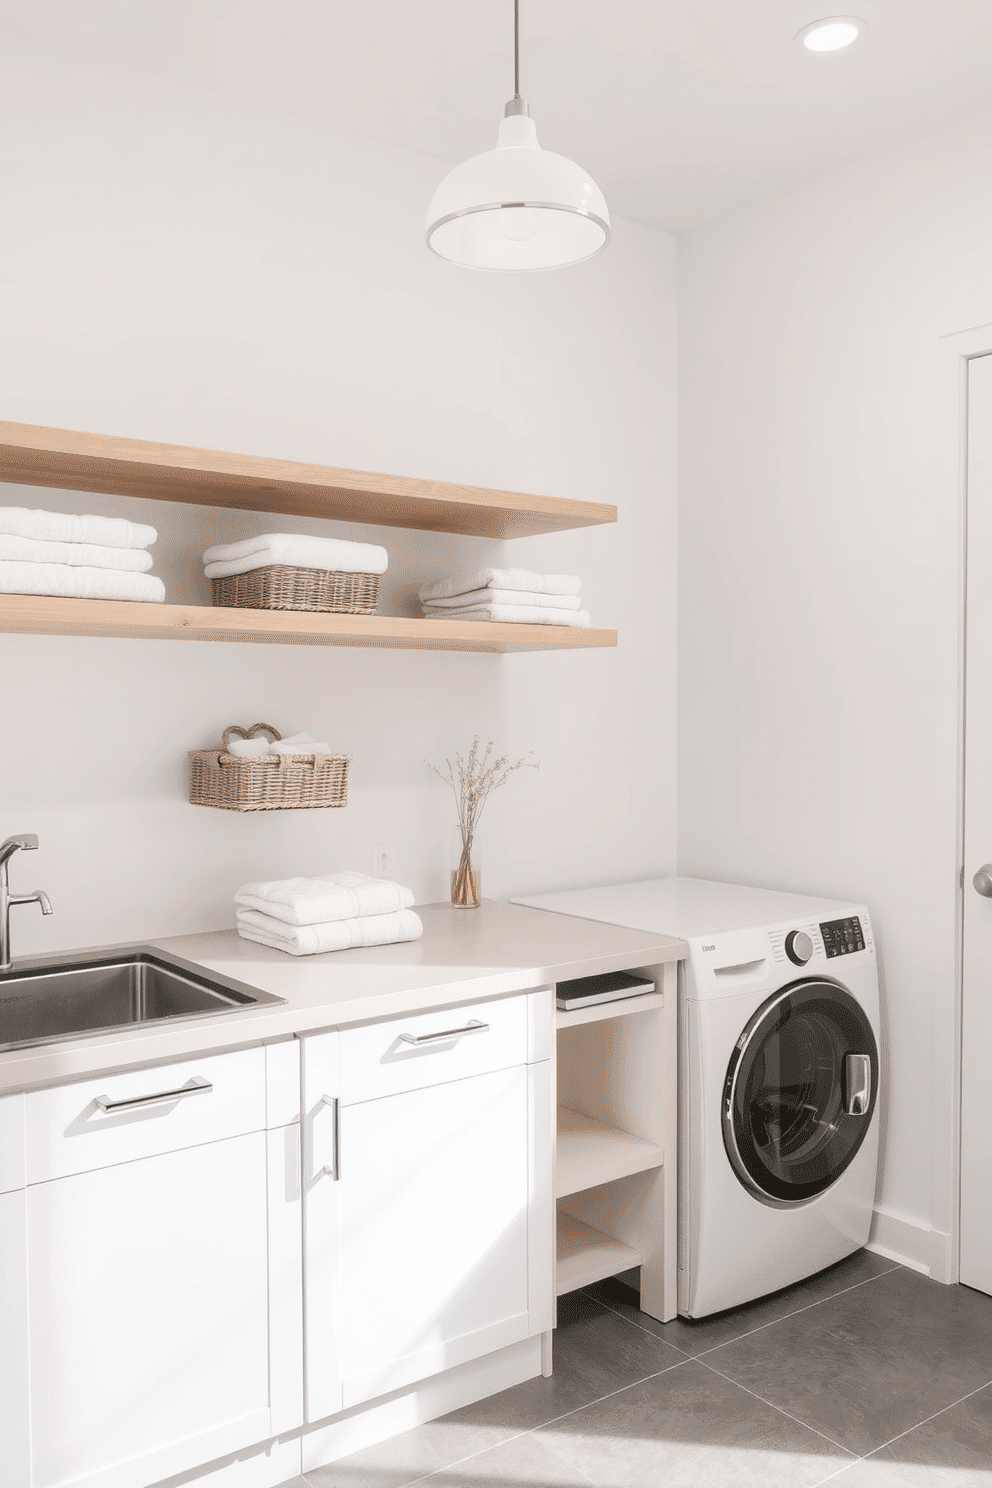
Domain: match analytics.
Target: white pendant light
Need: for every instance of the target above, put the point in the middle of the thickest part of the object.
(517, 207)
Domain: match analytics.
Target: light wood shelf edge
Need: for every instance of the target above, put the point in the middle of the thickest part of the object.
(30, 614)
(589, 1153)
(585, 1255)
(71, 459)
(622, 1008)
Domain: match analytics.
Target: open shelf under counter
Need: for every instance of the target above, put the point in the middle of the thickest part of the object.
(70, 459)
(30, 614)
(590, 1153)
(586, 1255)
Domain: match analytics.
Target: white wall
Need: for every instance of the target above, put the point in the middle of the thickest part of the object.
(818, 583)
(178, 266)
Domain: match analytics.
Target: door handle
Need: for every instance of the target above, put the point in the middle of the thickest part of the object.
(983, 881)
(332, 1169)
(857, 1084)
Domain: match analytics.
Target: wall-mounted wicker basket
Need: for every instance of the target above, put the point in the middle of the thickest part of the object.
(281, 586)
(276, 782)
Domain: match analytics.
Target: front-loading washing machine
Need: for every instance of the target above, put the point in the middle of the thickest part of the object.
(778, 1078)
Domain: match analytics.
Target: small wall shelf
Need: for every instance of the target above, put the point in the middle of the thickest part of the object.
(68, 459)
(30, 614)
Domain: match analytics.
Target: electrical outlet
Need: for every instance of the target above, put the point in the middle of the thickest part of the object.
(383, 861)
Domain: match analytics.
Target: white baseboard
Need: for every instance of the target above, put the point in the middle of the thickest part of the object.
(271, 1463)
(912, 1244)
(264, 1466)
(365, 1425)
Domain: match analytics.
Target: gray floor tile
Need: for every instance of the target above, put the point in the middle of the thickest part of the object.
(953, 1450)
(870, 1363)
(405, 1458)
(595, 1353)
(524, 1462)
(694, 1337)
(691, 1427)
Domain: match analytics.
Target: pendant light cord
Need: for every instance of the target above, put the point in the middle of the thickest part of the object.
(516, 104)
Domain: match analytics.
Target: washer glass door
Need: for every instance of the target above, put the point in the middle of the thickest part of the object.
(800, 1092)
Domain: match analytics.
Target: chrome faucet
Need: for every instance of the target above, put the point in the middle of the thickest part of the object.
(26, 841)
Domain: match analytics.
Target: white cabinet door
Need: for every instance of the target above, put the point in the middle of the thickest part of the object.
(15, 1445)
(148, 1315)
(433, 1192)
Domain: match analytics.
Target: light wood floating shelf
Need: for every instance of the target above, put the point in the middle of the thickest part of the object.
(586, 1255)
(66, 459)
(30, 614)
(590, 1153)
(623, 1007)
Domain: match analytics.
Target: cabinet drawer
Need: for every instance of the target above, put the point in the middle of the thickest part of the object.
(117, 1118)
(385, 1059)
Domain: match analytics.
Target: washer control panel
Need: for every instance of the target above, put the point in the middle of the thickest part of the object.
(842, 937)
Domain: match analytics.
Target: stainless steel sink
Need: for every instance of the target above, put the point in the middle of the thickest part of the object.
(56, 998)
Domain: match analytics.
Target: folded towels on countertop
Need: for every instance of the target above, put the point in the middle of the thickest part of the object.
(328, 898)
(477, 597)
(69, 581)
(518, 614)
(16, 549)
(46, 526)
(332, 554)
(334, 935)
(500, 578)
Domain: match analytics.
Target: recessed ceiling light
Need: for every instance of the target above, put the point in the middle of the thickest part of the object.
(831, 34)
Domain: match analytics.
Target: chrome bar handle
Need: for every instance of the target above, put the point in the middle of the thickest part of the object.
(194, 1086)
(332, 1172)
(857, 1084)
(473, 1026)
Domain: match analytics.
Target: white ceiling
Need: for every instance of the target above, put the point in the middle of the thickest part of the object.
(682, 110)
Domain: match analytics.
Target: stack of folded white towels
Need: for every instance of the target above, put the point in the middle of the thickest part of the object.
(336, 912)
(506, 595)
(303, 743)
(298, 551)
(43, 552)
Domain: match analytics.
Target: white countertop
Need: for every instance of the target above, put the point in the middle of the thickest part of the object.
(465, 955)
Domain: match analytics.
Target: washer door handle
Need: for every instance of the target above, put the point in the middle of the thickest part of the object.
(857, 1084)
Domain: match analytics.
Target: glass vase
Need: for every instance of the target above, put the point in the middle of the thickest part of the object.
(466, 878)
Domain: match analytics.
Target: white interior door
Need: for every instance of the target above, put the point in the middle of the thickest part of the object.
(976, 1058)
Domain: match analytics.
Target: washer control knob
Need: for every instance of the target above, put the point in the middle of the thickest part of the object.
(798, 947)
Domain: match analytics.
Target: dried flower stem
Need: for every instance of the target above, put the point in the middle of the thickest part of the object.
(474, 779)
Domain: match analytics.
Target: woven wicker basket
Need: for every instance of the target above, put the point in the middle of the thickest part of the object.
(277, 782)
(281, 586)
